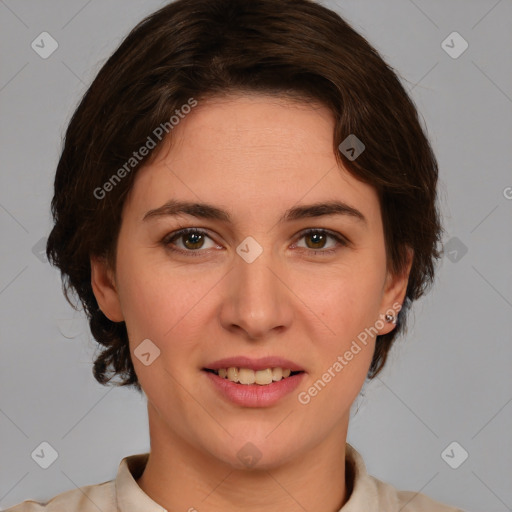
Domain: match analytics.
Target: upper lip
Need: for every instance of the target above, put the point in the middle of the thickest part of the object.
(254, 364)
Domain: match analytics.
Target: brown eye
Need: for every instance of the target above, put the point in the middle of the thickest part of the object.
(316, 240)
(192, 240)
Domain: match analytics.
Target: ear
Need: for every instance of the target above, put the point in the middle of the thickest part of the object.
(104, 288)
(395, 289)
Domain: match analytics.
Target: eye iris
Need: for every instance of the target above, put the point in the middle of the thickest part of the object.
(197, 237)
(319, 239)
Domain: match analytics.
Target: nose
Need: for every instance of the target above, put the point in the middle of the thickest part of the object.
(258, 301)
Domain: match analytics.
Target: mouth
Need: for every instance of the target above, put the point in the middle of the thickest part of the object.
(263, 387)
(247, 376)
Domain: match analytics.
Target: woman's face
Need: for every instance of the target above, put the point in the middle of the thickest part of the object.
(253, 285)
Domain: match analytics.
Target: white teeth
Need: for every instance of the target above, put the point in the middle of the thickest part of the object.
(277, 374)
(247, 376)
(263, 376)
(233, 374)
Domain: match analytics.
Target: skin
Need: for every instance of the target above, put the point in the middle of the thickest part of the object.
(255, 156)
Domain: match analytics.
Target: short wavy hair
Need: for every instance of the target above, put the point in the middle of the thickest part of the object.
(208, 48)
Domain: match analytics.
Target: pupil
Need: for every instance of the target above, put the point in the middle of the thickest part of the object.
(319, 238)
(197, 239)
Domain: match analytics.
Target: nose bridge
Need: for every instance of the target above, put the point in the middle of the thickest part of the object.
(256, 299)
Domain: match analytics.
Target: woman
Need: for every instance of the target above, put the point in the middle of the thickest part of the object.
(246, 206)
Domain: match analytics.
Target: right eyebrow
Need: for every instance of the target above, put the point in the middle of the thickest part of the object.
(200, 210)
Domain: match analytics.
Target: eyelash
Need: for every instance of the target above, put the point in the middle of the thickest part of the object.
(167, 241)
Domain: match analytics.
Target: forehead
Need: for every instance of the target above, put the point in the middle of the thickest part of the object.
(253, 153)
(257, 126)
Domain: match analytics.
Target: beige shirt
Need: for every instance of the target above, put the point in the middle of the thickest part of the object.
(124, 495)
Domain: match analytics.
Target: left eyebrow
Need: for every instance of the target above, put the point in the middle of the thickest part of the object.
(321, 209)
(208, 211)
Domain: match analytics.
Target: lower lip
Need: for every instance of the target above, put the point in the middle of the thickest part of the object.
(254, 395)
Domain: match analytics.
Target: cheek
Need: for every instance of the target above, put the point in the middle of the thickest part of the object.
(346, 298)
(161, 304)
(344, 342)
(159, 307)
(348, 305)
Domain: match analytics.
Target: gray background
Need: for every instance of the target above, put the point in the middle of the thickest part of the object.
(448, 380)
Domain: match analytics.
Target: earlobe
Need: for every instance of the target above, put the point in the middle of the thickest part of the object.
(104, 289)
(394, 294)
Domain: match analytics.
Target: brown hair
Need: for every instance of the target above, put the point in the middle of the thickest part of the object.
(204, 48)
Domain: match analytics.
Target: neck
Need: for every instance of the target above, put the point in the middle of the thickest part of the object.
(179, 476)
